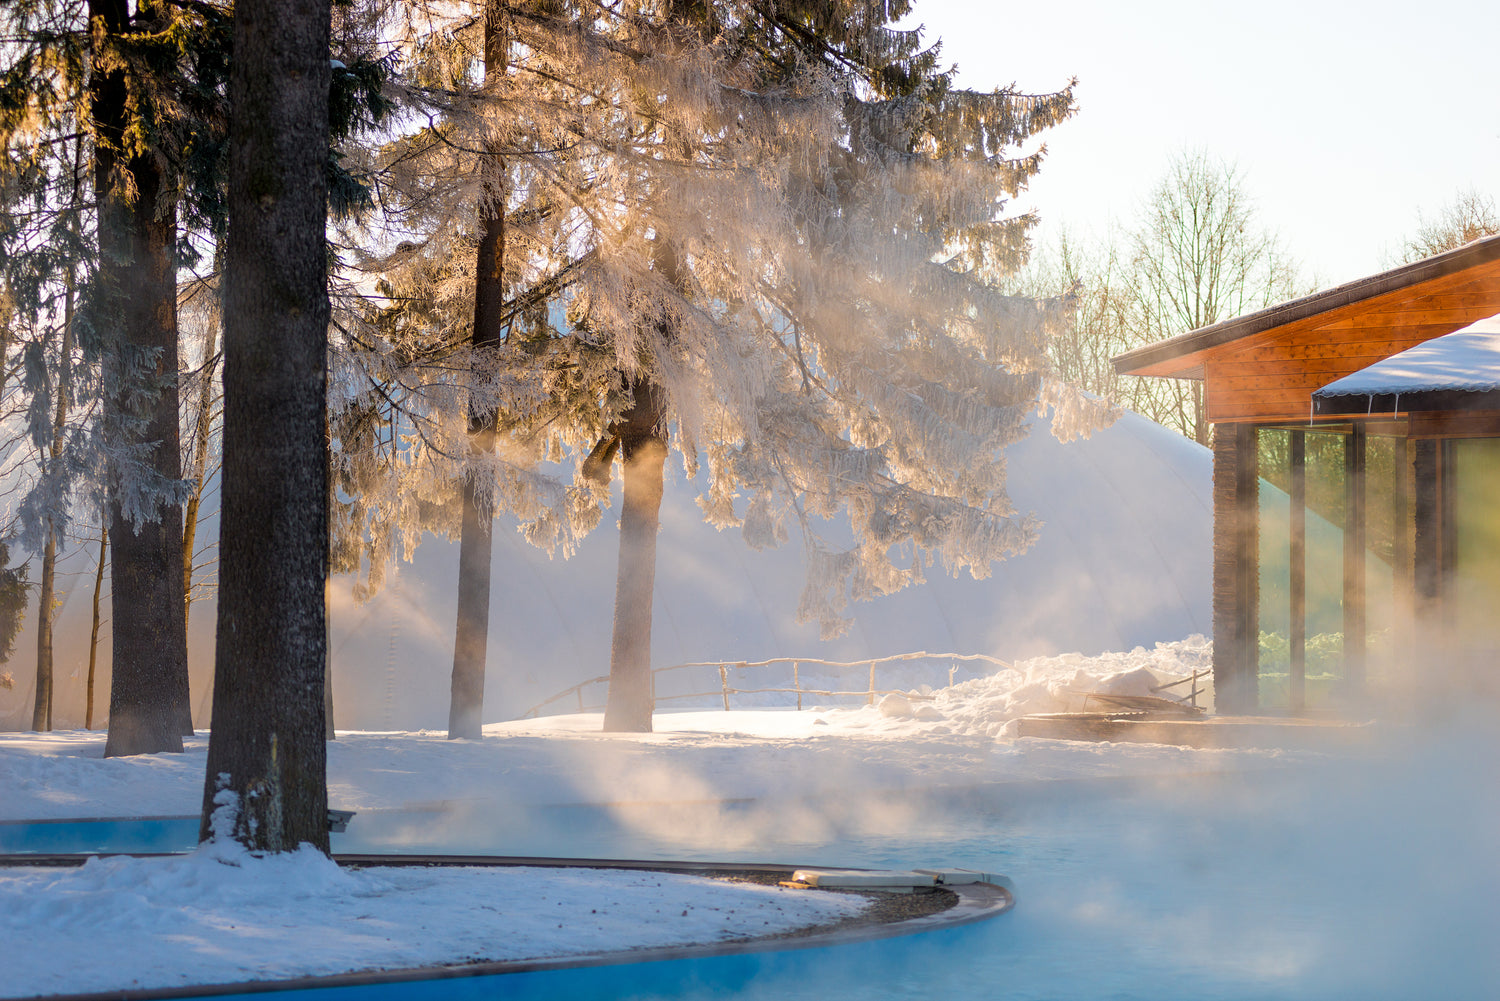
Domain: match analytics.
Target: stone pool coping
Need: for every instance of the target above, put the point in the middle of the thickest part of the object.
(973, 902)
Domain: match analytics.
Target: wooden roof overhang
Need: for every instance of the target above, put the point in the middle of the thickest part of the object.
(1264, 367)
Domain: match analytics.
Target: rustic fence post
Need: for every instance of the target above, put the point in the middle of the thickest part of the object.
(797, 682)
(724, 684)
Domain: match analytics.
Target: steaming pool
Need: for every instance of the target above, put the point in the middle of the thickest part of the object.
(1342, 879)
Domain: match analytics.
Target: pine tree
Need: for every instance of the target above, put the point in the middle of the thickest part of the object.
(266, 784)
(133, 97)
(767, 238)
(136, 323)
(13, 585)
(903, 195)
(45, 265)
(471, 634)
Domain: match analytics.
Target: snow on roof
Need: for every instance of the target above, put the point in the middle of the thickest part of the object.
(1466, 360)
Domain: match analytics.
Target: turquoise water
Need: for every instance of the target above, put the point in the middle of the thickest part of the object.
(1331, 881)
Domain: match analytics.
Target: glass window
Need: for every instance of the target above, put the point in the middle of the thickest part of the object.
(1474, 588)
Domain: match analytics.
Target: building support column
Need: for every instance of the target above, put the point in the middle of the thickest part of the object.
(1354, 560)
(1236, 581)
(1297, 640)
(1428, 549)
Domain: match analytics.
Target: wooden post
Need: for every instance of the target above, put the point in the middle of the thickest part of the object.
(1426, 542)
(1236, 569)
(724, 684)
(1401, 571)
(797, 682)
(1298, 619)
(1354, 558)
(871, 699)
(1447, 518)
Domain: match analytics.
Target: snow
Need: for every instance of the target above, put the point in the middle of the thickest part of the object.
(1467, 359)
(216, 916)
(1141, 870)
(694, 755)
(122, 922)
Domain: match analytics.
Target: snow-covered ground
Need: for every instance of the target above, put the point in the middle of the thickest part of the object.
(693, 756)
(1142, 870)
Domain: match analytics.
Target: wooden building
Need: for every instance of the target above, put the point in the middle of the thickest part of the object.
(1356, 479)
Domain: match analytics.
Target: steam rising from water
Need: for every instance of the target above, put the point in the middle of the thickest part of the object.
(1303, 875)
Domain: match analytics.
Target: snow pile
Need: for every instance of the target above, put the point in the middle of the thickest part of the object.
(215, 916)
(983, 706)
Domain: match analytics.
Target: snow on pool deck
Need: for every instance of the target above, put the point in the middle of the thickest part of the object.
(218, 916)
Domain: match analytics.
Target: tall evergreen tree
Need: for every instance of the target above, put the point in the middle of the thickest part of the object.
(898, 119)
(266, 783)
(135, 93)
(471, 634)
(767, 238)
(137, 324)
(45, 268)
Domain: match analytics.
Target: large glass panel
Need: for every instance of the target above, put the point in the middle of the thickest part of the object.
(1322, 568)
(1274, 448)
(1324, 517)
(1386, 547)
(1474, 589)
(1325, 566)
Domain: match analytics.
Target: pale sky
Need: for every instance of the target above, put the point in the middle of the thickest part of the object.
(1345, 119)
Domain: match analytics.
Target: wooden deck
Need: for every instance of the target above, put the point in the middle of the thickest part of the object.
(1207, 731)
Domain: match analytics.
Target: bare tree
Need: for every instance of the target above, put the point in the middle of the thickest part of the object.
(1194, 257)
(1470, 216)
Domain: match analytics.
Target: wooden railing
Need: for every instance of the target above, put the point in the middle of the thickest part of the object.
(725, 689)
(1193, 692)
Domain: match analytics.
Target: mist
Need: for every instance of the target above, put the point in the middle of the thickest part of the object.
(1123, 559)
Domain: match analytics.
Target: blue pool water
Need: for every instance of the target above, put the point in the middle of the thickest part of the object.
(1334, 881)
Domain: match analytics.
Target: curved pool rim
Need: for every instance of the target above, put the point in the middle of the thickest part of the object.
(976, 902)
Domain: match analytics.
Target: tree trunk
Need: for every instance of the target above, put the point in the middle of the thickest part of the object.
(148, 705)
(475, 550)
(41, 717)
(267, 759)
(328, 731)
(471, 636)
(46, 599)
(88, 711)
(199, 465)
(643, 453)
(41, 712)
